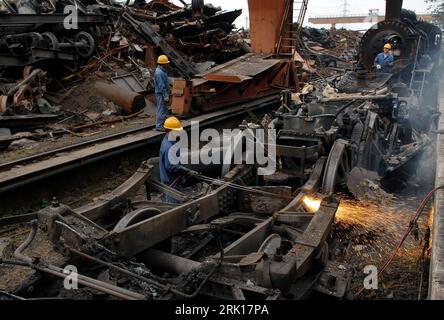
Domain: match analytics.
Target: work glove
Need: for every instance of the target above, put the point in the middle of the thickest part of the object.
(166, 99)
(378, 66)
(189, 172)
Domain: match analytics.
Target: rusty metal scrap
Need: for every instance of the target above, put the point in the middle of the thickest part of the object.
(329, 52)
(185, 67)
(190, 36)
(218, 87)
(130, 101)
(265, 266)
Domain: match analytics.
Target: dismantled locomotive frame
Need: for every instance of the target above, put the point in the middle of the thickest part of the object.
(231, 239)
(356, 128)
(238, 235)
(195, 33)
(28, 37)
(108, 35)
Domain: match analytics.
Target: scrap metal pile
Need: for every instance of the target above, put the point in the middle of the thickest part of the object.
(231, 239)
(364, 125)
(237, 234)
(110, 36)
(195, 30)
(330, 51)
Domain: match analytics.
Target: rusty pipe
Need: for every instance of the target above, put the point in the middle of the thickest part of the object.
(136, 276)
(18, 253)
(4, 100)
(393, 9)
(97, 284)
(117, 268)
(131, 102)
(83, 280)
(167, 262)
(58, 272)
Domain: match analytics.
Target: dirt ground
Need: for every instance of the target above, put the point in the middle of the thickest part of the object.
(12, 277)
(368, 233)
(82, 107)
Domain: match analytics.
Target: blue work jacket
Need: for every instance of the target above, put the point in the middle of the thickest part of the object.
(169, 172)
(161, 82)
(385, 61)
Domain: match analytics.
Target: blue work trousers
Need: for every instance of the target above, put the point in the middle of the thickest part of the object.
(162, 112)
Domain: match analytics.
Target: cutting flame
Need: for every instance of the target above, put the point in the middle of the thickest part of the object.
(312, 204)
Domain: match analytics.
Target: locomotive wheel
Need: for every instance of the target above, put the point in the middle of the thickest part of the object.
(87, 50)
(136, 217)
(52, 40)
(34, 39)
(338, 167)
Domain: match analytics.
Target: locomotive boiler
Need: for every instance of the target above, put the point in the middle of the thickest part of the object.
(363, 125)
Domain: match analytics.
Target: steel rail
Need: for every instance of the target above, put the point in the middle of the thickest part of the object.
(14, 181)
(12, 20)
(73, 147)
(38, 156)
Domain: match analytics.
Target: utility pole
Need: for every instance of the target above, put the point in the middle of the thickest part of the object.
(345, 6)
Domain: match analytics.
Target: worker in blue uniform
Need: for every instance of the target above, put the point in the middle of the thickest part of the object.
(384, 61)
(163, 92)
(172, 173)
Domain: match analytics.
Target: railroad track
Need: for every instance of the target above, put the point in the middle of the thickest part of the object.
(54, 152)
(35, 168)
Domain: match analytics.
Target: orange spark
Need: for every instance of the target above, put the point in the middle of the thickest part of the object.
(312, 204)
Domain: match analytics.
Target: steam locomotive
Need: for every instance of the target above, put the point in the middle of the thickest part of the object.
(410, 39)
(363, 124)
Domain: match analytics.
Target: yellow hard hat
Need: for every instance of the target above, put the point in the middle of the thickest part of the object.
(163, 59)
(172, 123)
(388, 46)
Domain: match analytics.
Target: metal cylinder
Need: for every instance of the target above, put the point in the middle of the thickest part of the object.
(167, 262)
(131, 102)
(3, 103)
(393, 9)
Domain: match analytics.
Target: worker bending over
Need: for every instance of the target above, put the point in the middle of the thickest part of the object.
(162, 89)
(172, 174)
(384, 61)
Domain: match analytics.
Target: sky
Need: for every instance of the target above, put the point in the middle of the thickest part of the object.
(323, 8)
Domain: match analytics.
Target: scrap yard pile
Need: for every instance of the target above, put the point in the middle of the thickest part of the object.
(308, 159)
(330, 51)
(57, 80)
(65, 84)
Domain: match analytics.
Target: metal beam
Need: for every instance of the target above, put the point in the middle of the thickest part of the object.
(146, 234)
(185, 67)
(16, 177)
(29, 19)
(333, 20)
